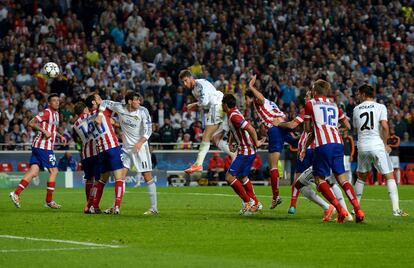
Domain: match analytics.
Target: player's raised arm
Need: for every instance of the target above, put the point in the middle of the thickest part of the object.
(259, 96)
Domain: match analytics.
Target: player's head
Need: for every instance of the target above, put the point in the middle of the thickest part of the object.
(228, 102)
(187, 78)
(53, 101)
(80, 108)
(93, 101)
(133, 99)
(321, 87)
(249, 97)
(365, 92)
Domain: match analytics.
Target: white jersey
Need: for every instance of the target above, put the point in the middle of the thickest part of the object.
(134, 125)
(366, 120)
(206, 94)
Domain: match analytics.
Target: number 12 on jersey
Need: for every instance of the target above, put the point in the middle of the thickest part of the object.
(329, 115)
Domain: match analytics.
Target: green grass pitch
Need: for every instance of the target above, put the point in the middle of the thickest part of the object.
(200, 227)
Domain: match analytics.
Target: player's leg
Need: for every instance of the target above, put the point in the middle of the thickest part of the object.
(203, 149)
(321, 169)
(276, 137)
(294, 195)
(218, 140)
(383, 164)
(231, 178)
(337, 152)
(51, 184)
(152, 193)
(24, 182)
(247, 184)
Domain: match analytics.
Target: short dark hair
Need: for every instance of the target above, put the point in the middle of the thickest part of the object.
(366, 89)
(185, 73)
(79, 107)
(322, 87)
(229, 100)
(249, 94)
(89, 100)
(131, 95)
(52, 96)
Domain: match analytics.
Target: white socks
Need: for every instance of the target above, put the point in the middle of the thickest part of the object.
(202, 152)
(152, 192)
(224, 146)
(359, 189)
(312, 196)
(338, 193)
(393, 193)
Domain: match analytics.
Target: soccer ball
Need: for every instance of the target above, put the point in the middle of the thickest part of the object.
(51, 69)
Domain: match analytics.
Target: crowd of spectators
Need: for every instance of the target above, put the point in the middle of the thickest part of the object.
(115, 46)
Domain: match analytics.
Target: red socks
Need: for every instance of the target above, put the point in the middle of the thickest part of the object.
(326, 191)
(248, 187)
(349, 190)
(238, 188)
(88, 187)
(274, 181)
(294, 195)
(50, 190)
(98, 191)
(119, 192)
(23, 184)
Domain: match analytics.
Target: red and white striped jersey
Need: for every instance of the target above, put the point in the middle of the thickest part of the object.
(238, 125)
(105, 135)
(267, 112)
(82, 128)
(48, 120)
(299, 119)
(325, 117)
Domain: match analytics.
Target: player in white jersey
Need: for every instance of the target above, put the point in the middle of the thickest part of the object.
(136, 125)
(209, 98)
(371, 123)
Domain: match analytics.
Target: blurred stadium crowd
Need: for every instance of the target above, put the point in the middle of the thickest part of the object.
(116, 46)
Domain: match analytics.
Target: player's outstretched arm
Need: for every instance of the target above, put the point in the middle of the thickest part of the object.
(259, 96)
(253, 135)
(291, 124)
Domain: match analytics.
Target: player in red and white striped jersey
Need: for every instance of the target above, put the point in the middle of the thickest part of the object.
(269, 113)
(89, 151)
(246, 138)
(109, 152)
(46, 123)
(322, 118)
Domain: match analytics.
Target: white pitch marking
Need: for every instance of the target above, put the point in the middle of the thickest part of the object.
(61, 241)
(44, 249)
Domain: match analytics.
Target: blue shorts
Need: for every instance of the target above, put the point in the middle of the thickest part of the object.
(43, 158)
(91, 167)
(110, 160)
(278, 136)
(241, 166)
(328, 157)
(301, 166)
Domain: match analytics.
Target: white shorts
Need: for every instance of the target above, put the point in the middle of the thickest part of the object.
(395, 160)
(306, 178)
(223, 128)
(215, 115)
(347, 164)
(379, 158)
(141, 160)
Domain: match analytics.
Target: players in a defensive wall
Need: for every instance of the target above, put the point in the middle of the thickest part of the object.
(46, 124)
(371, 123)
(109, 153)
(269, 113)
(136, 125)
(322, 118)
(83, 130)
(242, 132)
(304, 177)
(209, 98)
